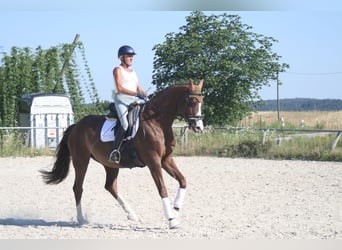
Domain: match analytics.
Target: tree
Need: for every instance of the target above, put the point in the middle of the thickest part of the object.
(234, 62)
(25, 71)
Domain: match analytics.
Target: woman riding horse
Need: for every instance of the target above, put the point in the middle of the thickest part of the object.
(154, 143)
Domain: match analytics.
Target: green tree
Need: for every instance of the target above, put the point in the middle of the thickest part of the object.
(11, 84)
(234, 62)
(25, 71)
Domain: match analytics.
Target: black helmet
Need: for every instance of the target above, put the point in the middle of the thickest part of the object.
(126, 50)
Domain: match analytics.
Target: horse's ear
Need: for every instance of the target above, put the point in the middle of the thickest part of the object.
(200, 85)
(191, 85)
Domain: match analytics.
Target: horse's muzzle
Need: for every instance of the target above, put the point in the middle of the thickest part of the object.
(196, 125)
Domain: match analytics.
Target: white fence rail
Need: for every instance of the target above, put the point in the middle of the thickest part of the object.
(52, 136)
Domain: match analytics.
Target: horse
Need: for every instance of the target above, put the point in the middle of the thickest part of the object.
(154, 143)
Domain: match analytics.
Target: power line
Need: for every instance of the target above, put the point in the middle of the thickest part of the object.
(315, 73)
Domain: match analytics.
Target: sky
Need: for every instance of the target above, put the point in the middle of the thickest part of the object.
(309, 35)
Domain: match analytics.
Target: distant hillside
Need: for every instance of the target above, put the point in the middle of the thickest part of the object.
(303, 104)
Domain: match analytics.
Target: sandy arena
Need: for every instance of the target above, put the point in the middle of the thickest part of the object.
(226, 199)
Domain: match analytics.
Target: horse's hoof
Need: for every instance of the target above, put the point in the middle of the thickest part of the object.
(132, 217)
(174, 224)
(82, 221)
(176, 213)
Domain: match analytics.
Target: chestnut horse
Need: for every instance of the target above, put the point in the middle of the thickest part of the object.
(154, 143)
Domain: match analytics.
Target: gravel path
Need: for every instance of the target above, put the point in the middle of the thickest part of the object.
(226, 199)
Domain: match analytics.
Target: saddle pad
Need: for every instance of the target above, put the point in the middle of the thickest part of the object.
(107, 130)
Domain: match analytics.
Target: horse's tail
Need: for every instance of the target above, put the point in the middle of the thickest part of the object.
(60, 168)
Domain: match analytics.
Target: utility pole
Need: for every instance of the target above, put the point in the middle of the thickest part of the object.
(74, 43)
(278, 98)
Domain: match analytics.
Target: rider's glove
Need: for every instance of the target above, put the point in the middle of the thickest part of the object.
(141, 96)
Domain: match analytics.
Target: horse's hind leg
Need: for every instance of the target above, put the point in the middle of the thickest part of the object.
(81, 166)
(112, 187)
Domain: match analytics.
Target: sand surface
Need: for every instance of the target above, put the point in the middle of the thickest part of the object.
(226, 199)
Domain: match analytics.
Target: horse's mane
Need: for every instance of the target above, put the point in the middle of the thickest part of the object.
(160, 92)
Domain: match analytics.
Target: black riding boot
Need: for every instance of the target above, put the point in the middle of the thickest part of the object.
(115, 154)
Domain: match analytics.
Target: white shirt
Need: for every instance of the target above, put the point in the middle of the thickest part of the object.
(129, 80)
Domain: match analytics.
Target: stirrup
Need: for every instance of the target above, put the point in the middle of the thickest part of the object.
(114, 156)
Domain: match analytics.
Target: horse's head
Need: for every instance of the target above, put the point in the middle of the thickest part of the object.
(191, 111)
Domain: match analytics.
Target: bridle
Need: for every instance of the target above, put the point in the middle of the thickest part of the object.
(199, 98)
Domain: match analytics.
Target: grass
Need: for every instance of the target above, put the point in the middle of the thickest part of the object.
(318, 148)
(220, 143)
(306, 119)
(11, 145)
(248, 143)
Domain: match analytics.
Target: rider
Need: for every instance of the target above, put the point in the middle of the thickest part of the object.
(127, 90)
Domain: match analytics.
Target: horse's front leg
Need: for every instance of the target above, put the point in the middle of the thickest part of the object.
(171, 168)
(156, 172)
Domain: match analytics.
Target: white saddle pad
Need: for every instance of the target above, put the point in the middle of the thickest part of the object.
(107, 130)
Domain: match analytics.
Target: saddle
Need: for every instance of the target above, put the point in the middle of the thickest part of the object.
(129, 154)
(113, 114)
(132, 117)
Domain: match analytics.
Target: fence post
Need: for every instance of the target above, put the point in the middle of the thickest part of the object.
(264, 134)
(34, 132)
(337, 138)
(57, 129)
(46, 130)
(184, 135)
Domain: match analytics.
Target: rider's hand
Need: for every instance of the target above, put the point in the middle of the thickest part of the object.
(141, 96)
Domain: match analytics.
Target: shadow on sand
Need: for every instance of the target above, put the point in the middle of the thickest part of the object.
(73, 224)
(36, 222)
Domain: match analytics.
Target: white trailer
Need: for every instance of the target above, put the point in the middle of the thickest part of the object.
(46, 116)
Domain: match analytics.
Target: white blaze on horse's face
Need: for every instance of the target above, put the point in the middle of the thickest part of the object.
(199, 123)
(194, 115)
(195, 103)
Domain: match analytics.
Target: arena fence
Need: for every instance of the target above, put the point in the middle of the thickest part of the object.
(292, 133)
(37, 137)
(52, 135)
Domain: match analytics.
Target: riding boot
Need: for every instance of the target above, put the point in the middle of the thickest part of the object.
(115, 154)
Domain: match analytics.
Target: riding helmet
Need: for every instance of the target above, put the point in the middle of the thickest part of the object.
(126, 50)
